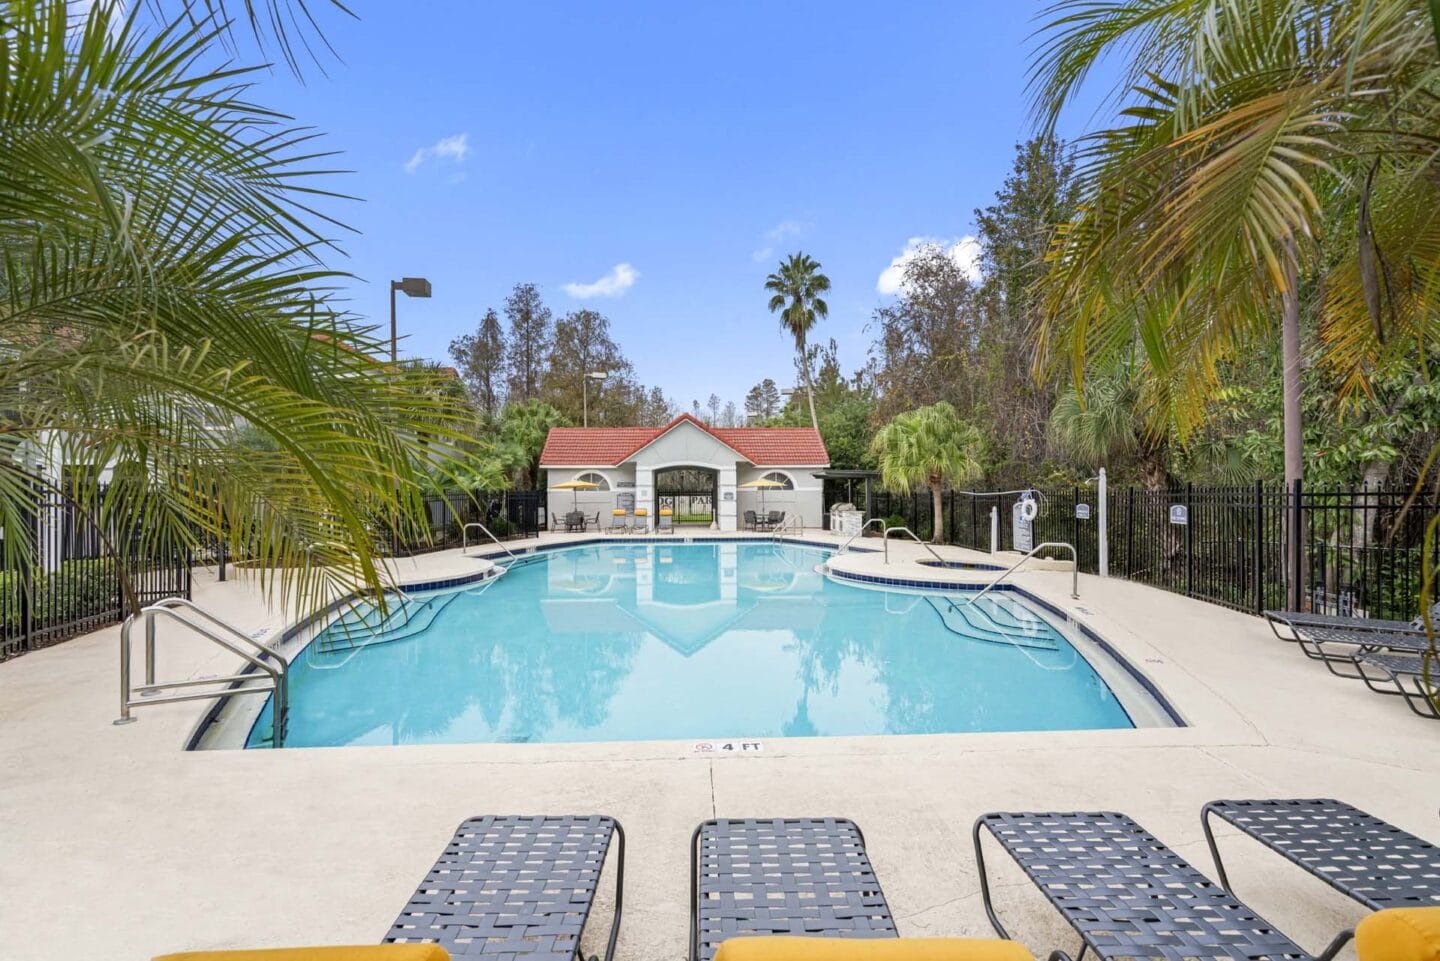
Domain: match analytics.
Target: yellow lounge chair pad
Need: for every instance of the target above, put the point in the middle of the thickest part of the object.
(870, 949)
(365, 952)
(1399, 934)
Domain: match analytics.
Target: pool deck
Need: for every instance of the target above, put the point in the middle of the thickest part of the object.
(115, 843)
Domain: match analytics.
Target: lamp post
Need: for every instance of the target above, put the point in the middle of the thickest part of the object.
(597, 376)
(410, 287)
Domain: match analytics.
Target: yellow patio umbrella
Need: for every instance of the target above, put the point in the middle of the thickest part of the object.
(575, 487)
(762, 485)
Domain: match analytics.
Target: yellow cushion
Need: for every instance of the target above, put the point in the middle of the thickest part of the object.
(870, 949)
(666, 512)
(618, 512)
(366, 952)
(1399, 934)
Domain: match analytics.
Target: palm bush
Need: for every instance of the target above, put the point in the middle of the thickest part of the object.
(928, 447)
(164, 305)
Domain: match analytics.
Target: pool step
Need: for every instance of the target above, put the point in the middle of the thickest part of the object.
(997, 623)
(353, 638)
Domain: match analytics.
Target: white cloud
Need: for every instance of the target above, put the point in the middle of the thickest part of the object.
(454, 147)
(620, 279)
(777, 233)
(964, 251)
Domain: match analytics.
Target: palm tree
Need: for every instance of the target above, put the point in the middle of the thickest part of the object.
(1266, 150)
(1107, 421)
(165, 314)
(929, 446)
(795, 290)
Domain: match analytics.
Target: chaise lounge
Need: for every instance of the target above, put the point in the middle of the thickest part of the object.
(1128, 895)
(509, 887)
(1356, 853)
(808, 877)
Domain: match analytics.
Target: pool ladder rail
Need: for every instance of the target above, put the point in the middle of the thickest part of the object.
(269, 667)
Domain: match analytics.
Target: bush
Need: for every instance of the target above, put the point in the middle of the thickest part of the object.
(894, 520)
(80, 588)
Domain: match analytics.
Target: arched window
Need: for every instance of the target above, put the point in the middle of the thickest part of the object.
(780, 478)
(601, 484)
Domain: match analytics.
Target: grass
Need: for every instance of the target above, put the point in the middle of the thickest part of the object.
(694, 518)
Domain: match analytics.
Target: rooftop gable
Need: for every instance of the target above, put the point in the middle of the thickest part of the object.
(612, 446)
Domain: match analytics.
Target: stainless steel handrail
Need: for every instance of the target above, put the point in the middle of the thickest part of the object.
(846, 545)
(464, 542)
(917, 540)
(1074, 569)
(794, 520)
(259, 655)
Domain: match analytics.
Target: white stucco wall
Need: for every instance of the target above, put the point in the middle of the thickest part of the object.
(805, 501)
(588, 501)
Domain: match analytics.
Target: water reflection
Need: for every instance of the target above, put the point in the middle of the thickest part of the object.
(638, 641)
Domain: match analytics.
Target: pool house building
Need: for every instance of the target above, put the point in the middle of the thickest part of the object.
(706, 476)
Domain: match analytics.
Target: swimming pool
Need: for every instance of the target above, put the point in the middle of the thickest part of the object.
(644, 641)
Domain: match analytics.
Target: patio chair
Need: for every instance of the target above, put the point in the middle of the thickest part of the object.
(619, 521)
(1296, 621)
(505, 888)
(516, 887)
(1357, 854)
(750, 521)
(782, 876)
(1337, 648)
(1128, 895)
(574, 521)
(642, 521)
(1403, 674)
(775, 519)
(664, 521)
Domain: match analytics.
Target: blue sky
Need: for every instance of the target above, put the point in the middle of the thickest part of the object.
(654, 161)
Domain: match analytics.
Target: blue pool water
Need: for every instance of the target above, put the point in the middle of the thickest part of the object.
(640, 641)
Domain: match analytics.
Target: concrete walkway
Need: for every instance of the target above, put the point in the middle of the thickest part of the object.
(116, 844)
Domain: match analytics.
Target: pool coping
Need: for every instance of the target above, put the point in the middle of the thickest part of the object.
(211, 713)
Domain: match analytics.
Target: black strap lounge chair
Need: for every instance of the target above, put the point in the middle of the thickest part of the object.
(1355, 853)
(1403, 674)
(1337, 648)
(787, 876)
(1293, 622)
(1128, 895)
(515, 888)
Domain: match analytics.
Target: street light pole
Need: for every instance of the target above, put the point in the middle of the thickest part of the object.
(597, 376)
(410, 287)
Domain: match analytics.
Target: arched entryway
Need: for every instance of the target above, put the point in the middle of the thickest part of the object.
(690, 492)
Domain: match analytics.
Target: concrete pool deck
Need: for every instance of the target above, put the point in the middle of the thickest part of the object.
(115, 843)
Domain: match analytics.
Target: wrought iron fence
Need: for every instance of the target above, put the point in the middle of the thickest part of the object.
(71, 581)
(1358, 551)
(510, 515)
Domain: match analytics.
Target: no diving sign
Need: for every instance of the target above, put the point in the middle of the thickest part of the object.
(727, 747)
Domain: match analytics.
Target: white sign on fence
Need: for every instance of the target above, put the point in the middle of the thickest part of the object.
(1179, 514)
(1082, 512)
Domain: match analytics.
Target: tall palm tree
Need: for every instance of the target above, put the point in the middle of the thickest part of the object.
(1265, 149)
(164, 305)
(795, 290)
(929, 446)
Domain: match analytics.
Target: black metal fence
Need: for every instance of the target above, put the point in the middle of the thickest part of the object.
(1358, 551)
(72, 584)
(509, 515)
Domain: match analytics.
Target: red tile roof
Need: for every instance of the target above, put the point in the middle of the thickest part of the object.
(612, 446)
